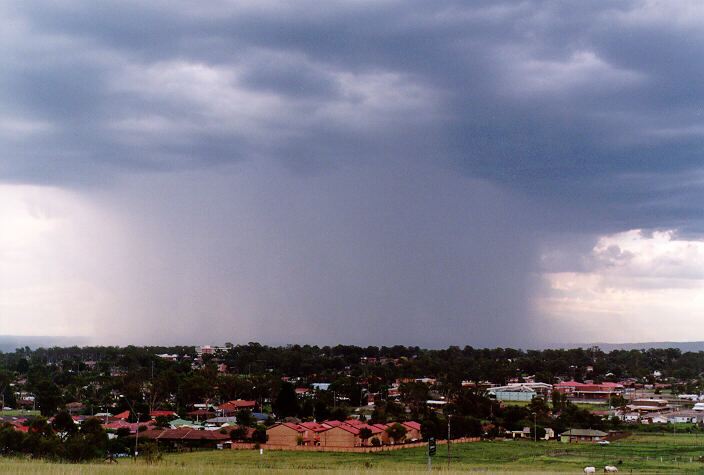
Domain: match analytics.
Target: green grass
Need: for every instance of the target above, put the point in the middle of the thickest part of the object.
(581, 405)
(639, 453)
(19, 412)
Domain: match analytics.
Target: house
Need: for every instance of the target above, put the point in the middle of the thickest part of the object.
(630, 417)
(287, 434)
(683, 417)
(210, 350)
(201, 414)
(376, 432)
(186, 437)
(122, 416)
(343, 435)
(74, 407)
(413, 433)
(131, 426)
(383, 434)
(183, 423)
(647, 405)
(591, 391)
(167, 414)
(229, 408)
(583, 435)
(520, 391)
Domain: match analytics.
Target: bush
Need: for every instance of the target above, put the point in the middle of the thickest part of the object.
(149, 450)
(376, 442)
(238, 433)
(260, 436)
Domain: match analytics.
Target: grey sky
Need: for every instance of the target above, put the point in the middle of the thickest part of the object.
(367, 172)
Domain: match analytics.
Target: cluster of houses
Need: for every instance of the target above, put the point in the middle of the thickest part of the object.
(574, 390)
(217, 431)
(658, 411)
(349, 433)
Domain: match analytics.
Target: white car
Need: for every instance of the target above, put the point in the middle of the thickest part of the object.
(603, 442)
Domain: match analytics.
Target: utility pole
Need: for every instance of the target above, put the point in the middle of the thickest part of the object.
(136, 438)
(535, 428)
(449, 418)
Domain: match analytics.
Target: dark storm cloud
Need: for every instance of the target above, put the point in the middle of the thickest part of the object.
(555, 99)
(588, 116)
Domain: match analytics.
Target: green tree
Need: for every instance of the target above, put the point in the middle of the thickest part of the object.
(538, 406)
(397, 432)
(286, 402)
(162, 422)
(245, 418)
(365, 433)
(48, 397)
(239, 433)
(64, 425)
(259, 435)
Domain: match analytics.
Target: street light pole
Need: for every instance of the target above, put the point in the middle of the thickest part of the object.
(136, 438)
(449, 418)
(535, 428)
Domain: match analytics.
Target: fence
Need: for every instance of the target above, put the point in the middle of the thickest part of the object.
(320, 448)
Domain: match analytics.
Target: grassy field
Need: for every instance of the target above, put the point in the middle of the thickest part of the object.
(639, 453)
(19, 412)
(582, 405)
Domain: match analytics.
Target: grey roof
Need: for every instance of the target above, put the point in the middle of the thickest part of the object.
(585, 433)
(222, 420)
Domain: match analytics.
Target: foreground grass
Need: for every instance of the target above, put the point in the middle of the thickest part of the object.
(640, 453)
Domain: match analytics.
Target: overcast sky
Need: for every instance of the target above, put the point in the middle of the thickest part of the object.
(363, 172)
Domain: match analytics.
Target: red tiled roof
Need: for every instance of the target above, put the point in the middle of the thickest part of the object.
(162, 413)
(354, 422)
(349, 428)
(569, 384)
(412, 425)
(314, 426)
(237, 404)
(375, 430)
(122, 415)
(332, 423)
(293, 426)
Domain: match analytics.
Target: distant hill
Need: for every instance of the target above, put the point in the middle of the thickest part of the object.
(8, 343)
(684, 346)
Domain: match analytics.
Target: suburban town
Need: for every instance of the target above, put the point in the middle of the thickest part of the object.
(109, 403)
